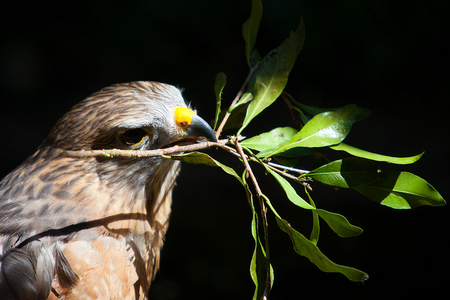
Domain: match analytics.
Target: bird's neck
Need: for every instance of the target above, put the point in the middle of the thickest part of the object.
(142, 187)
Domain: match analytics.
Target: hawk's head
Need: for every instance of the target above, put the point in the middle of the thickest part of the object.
(131, 116)
(137, 116)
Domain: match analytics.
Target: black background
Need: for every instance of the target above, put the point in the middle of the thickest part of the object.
(386, 56)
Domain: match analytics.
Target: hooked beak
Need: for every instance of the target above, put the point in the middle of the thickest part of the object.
(200, 128)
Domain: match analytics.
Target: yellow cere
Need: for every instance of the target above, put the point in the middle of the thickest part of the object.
(183, 116)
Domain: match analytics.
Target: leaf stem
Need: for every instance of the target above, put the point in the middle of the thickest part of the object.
(236, 99)
(115, 153)
(292, 109)
(263, 214)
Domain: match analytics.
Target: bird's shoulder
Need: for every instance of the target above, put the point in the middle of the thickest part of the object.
(46, 191)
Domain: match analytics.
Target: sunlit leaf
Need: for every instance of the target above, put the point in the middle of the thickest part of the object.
(308, 249)
(325, 129)
(269, 141)
(221, 80)
(273, 74)
(245, 98)
(347, 173)
(266, 143)
(250, 28)
(402, 190)
(377, 157)
(338, 223)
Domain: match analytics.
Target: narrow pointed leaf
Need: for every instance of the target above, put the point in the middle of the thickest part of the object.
(402, 190)
(221, 80)
(325, 129)
(273, 74)
(315, 232)
(338, 223)
(377, 157)
(205, 159)
(347, 173)
(197, 158)
(250, 28)
(258, 263)
(308, 249)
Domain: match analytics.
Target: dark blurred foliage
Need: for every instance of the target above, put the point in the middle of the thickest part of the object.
(387, 56)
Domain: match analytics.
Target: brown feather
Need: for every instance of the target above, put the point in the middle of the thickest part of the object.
(91, 228)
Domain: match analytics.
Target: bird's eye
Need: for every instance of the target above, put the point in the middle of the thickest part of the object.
(132, 136)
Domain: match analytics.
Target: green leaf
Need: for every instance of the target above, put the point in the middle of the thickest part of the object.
(338, 223)
(245, 98)
(273, 74)
(402, 190)
(269, 141)
(377, 157)
(250, 28)
(205, 159)
(315, 232)
(197, 158)
(221, 80)
(308, 249)
(347, 173)
(258, 264)
(325, 129)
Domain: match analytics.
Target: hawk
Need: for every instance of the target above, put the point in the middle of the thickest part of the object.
(93, 228)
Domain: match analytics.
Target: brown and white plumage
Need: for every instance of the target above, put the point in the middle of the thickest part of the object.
(93, 228)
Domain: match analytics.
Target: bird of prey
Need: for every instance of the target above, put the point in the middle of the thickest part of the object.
(93, 228)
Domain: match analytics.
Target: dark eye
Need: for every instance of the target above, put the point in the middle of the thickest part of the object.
(132, 136)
